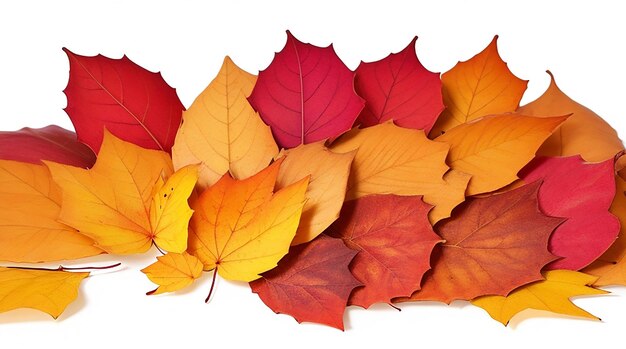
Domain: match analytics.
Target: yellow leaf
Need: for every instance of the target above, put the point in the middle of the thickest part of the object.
(611, 266)
(583, 133)
(481, 86)
(552, 294)
(327, 188)
(222, 131)
(243, 230)
(496, 147)
(116, 202)
(173, 271)
(394, 160)
(170, 212)
(30, 204)
(47, 291)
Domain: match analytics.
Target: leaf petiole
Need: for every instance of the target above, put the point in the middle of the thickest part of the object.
(62, 268)
(212, 285)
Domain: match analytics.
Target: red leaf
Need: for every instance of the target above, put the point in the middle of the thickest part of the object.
(581, 192)
(492, 246)
(48, 143)
(312, 283)
(306, 94)
(133, 103)
(399, 88)
(394, 238)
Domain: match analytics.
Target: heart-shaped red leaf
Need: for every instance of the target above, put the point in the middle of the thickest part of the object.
(399, 88)
(306, 94)
(47, 143)
(133, 103)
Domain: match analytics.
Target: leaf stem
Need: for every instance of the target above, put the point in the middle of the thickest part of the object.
(393, 306)
(158, 248)
(212, 285)
(62, 268)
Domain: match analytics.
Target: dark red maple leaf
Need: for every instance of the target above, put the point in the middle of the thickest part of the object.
(306, 94)
(311, 283)
(394, 238)
(399, 88)
(133, 103)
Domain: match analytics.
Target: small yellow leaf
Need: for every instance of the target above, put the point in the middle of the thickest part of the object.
(494, 148)
(327, 188)
(552, 294)
(173, 271)
(112, 202)
(243, 230)
(481, 86)
(170, 212)
(30, 203)
(394, 160)
(47, 291)
(222, 131)
(583, 133)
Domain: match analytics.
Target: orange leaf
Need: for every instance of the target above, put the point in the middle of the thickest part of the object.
(495, 148)
(493, 245)
(30, 204)
(173, 271)
(393, 160)
(583, 133)
(481, 86)
(242, 228)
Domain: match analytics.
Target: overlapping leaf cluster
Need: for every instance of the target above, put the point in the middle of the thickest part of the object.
(320, 186)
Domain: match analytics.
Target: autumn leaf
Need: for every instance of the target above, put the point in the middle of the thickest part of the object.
(241, 228)
(222, 131)
(47, 143)
(327, 187)
(306, 94)
(173, 271)
(30, 203)
(394, 160)
(399, 88)
(582, 193)
(611, 266)
(122, 202)
(583, 133)
(492, 246)
(552, 294)
(312, 283)
(495, 148)
(131, 102)
(394, 240)
(480, 86)
(47, 291)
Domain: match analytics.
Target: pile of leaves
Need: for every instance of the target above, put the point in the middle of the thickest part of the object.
(321, 187)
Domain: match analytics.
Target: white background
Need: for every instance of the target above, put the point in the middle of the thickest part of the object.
(582, 45)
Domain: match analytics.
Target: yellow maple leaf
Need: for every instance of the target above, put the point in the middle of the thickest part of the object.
(552, 294)
(241, 228)
(122, 202)
(47, 291)
(394, 160)
(327, 188)
(173, 271)
(30, 203)
(222, 131)
(482, 85)
(494, 148)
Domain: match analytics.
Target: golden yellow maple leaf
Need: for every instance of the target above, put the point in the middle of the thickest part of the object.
(117, 204)
(481, 86)
(222, 131)
(30, 203)
(173, 271)
(583, 133)
(47, 291)
(327, 188)
(241, 228)
(494, 148)
(552, 294)
(394, 160)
